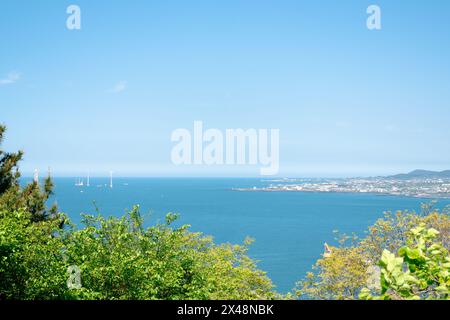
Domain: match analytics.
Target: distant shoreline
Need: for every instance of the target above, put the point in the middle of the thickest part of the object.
(424, 188)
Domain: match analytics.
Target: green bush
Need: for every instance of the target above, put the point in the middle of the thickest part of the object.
(352, 265)
(120, 259)
(421, 270)
(31, 258)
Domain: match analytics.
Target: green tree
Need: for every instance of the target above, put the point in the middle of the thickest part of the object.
(32, 264)
(32, 197)
(120, 259)
(420, 271)
(9, 172)
(337, 277)
(350, 267)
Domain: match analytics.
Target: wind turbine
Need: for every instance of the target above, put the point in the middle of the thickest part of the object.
(111, 179)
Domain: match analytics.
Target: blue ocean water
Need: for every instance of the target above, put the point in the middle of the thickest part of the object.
(289, 227)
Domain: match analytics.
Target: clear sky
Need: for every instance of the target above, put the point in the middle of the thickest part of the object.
(347, 100)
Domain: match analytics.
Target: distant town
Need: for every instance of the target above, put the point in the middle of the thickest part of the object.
(418, 183)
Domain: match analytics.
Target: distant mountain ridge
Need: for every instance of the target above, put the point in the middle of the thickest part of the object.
(422, 174)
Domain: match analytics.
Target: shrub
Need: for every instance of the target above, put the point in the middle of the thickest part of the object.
(350, 268)
(120, 259)
(421, 270)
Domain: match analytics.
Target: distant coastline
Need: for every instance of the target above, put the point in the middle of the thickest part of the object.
(417, 184)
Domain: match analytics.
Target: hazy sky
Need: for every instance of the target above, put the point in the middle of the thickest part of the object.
(347, 100)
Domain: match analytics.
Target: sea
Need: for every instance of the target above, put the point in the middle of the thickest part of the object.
(289, 228)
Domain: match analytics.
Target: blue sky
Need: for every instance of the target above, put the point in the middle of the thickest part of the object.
(348, 101)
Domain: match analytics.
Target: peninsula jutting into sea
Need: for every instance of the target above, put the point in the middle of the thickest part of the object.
(418, 184)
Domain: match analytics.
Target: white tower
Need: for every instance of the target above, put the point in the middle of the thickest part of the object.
(111, 179)
(88, 183)
(36, 176)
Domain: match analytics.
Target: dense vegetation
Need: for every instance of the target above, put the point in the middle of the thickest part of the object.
(368, 268)
(427, 275)
(119, 259)
(43, 256)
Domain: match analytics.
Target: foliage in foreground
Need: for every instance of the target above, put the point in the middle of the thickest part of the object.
(31, 198)
(31, 258)
(421, 271)
(120, 259)
(353, 269)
